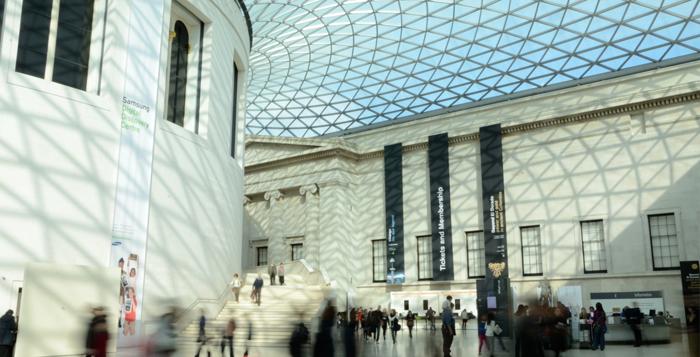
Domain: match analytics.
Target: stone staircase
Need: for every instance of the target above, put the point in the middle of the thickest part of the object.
(273, 321)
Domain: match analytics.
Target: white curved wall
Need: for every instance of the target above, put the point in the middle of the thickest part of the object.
(58, 154)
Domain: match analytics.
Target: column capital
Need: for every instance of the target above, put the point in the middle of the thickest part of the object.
(273, 195)
(308, 189)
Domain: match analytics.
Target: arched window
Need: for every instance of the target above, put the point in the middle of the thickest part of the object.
(178, 74)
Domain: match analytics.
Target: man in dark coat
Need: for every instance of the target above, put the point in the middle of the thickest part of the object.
(8, 331)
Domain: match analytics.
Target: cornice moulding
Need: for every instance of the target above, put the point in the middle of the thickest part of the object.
(345, 152)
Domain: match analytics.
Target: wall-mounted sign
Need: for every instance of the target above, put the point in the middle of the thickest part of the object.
(439, 167)
(690, 279)
(393, 191)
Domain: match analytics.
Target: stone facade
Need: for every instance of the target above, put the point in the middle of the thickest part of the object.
(617, 150)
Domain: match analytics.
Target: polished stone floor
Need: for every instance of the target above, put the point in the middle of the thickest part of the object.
(424, 344)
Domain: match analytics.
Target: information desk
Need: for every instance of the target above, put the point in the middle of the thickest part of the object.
(623, 333)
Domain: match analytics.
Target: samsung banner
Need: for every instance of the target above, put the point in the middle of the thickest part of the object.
(138, 118)
(393, 191)
(494, 290)
(439, 169)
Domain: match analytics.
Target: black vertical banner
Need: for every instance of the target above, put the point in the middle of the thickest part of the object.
(393, 190)
(439, 168)
(690, 279)
(495, 288)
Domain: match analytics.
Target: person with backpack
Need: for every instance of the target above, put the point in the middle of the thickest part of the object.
(300, 336)
(257, 289)
(227, 338)
(448, 331)
(633, 317)
(394, 323)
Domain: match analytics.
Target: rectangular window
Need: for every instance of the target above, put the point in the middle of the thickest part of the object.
(235, 109)
(262, 256)
(379, 261)
(664, 241)
(531, 250)
(405, 305)
(54, 40)
(593, 241)
(458, 304)
(475, 254)
(297, 251)
(425, 257)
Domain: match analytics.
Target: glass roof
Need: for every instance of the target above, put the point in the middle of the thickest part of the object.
(323, 66)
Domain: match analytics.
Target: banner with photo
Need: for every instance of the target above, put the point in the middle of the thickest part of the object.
(393, 191)
(440, 217)
(138, 119)
(495, 288)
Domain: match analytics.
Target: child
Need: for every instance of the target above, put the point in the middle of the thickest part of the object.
(482, 332)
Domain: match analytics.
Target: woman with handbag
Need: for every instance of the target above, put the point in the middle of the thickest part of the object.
(394, 323)
(600, 327)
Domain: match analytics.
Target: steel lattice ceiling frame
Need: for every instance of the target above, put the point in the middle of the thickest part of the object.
(324, 66)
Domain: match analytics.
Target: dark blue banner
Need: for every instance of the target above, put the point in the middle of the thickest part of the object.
(439, 170)
(493, 292)
(393, 191)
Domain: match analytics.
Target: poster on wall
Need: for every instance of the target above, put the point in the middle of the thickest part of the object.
(495, 287)
(690, 279)
(131, 203)
(393, 191)
(440, 213)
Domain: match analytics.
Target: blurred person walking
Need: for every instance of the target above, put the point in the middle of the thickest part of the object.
(164, 342)
(8, 332)
(202, 335)
(272, 270)
(385, 323)
(235, 286)
(300, 336)
(410, 321)
(518, 322)
(600, 327)
(430, 317)
(257, 289)
(448, 331)
(280, 272)
(394, 323)
(531, 332)
(465, 317)
(375, 322)
(482, 333)
(227, 338)
(324, 338)
(493, 333)
(97, 335)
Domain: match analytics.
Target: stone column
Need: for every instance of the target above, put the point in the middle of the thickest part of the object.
(336, 232)
(275, 243)
(310, 197)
